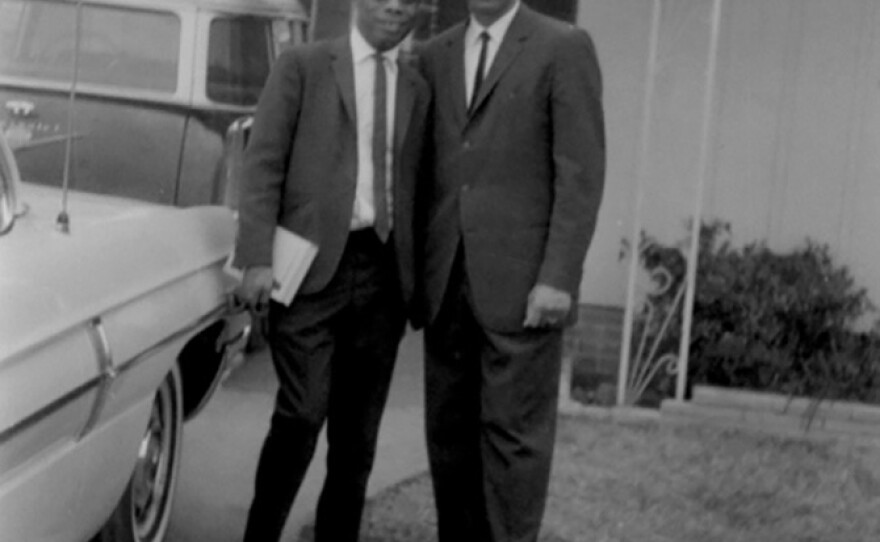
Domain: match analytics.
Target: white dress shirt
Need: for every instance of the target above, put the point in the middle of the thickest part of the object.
(364, 63)
(472, 45)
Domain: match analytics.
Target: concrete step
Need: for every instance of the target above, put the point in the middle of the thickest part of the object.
(783, 405)
(752, 417)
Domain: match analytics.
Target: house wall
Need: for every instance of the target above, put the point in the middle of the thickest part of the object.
(795, 127)
(333, 15)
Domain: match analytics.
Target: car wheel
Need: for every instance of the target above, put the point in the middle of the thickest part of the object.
(144, 511)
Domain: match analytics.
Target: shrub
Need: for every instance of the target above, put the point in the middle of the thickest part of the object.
(763, 320)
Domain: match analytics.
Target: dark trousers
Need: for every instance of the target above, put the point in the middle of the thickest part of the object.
(491, 403)
(334, 354)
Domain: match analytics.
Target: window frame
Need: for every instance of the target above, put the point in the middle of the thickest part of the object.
(297, 23)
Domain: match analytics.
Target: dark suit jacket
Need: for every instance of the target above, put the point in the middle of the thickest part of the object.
(519, 179)
(300, 166)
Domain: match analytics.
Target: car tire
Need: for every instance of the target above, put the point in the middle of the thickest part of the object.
(144, 511)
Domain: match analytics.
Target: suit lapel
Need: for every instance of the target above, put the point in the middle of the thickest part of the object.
(512, 44)
(403, 107)
(455, 71)
(405, 100)
(343, 68)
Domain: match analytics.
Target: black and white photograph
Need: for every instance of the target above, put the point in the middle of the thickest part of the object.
(439, 270)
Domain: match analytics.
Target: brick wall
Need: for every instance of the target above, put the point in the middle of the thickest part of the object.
(594, 341)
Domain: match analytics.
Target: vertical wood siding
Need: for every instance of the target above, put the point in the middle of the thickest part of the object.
(795, 148)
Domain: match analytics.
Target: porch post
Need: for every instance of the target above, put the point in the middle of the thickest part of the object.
(313, 20)
(693, 252)
(629, 309)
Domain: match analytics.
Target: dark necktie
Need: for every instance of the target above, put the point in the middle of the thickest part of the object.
(481, 67)
(380, 147)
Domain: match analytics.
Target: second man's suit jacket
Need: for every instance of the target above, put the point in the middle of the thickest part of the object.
(518, 178)
(300, 169)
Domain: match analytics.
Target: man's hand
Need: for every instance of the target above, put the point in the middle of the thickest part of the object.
(547, 307)
(256, 288)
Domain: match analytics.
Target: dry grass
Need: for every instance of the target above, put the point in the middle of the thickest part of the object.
(648, 482)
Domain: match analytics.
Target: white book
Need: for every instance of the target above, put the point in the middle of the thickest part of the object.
(292, 256)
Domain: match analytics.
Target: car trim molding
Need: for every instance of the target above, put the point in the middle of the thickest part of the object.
(107, 376)
(107, 371)
(16, 353)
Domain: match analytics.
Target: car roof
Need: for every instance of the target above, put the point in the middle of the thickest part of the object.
(293, 8)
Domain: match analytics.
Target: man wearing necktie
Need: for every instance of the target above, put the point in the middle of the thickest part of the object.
(518, 174)
(333, 156)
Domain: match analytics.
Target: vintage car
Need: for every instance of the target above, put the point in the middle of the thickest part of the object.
(159, 84)
(115, 327)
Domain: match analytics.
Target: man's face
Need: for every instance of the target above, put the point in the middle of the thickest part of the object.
(488, 11)
(383, 23)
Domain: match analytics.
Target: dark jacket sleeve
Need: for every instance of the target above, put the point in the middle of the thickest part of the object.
(265, 162)
(578, 158)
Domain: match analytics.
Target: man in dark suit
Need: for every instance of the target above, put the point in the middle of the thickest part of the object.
(519, 161)
(333, 154)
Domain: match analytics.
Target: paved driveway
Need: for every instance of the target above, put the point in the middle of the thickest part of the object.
(222, 444)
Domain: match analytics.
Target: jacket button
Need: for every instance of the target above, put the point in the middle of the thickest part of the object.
(465, 187)
(467, 144)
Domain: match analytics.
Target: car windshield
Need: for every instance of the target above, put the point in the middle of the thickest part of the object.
(119, 47)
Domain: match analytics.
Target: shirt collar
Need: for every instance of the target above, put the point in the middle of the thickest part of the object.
(361, 50)
(496, 30)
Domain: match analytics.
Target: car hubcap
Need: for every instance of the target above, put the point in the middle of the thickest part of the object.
(152, 475)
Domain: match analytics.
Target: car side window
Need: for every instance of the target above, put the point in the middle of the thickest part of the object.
(112, 51)
(240, 52)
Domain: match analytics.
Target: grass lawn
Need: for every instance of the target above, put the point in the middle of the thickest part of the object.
(649, 482)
